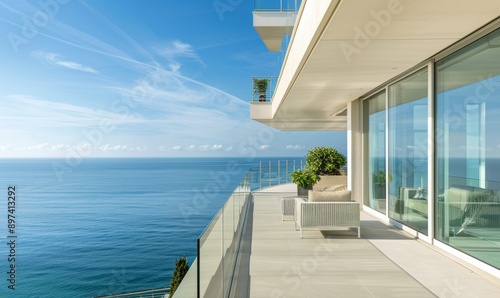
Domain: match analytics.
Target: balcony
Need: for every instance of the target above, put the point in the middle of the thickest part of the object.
(248, 250)
(332, 59)
(273, 19)
(385, 262)
(263, 93)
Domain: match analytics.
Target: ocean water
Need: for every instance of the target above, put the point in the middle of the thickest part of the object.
(105, 226)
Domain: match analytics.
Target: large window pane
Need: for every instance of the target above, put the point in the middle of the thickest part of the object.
(468, 150)
(408, 151)
(374, 128)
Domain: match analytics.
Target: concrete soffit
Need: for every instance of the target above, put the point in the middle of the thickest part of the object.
(342, 50)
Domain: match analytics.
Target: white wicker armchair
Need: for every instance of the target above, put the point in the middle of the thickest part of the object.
(327, 215)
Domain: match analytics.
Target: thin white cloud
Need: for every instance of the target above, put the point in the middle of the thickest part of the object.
(54, 59)
(75, 66)
(41, 146)
(215, 147)
(264, 147)
(56, 114)
(166, 103)
(38, 147)
(6, 147)
(294, 147)
(138, 148)
(60, 147)
(174, 67)
(256, 60)
(178, 49)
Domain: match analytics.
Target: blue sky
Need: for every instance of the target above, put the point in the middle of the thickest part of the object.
(136, 78)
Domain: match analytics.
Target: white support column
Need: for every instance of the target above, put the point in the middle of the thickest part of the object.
(482, 145)
(355, 150)
(431, 194)
(387, 200)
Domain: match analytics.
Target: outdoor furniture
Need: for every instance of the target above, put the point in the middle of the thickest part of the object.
(411, 200)
(327, 210)
(288, 207)
(466, 206)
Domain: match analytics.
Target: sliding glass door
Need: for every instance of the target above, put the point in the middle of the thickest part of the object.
(374, 137)
(407, 177)
(468, 149)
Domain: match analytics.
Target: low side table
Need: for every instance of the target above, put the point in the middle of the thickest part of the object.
(288, 207)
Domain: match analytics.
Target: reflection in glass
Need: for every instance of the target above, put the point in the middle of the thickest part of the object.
(374, 133)
(468, 150)
(408, 151)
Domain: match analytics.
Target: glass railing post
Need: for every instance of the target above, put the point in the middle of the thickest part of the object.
(224, 233)
(222, 250)
(286, 171)
(279, 173)
(269, 177)
(260, 174)
(198, 266)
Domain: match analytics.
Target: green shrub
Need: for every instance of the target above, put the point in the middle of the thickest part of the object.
(379, 178)
(181, 268)
(325, 161)
(304, 178)
(260, 85)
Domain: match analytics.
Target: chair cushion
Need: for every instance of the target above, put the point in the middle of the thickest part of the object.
(329, 196)
(336, 187)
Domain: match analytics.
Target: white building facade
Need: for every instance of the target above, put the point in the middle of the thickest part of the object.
(416, 85)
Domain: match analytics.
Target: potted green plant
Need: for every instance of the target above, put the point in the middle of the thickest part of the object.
(327, 163)
(304, 179)
(379, 182)
(260, 87)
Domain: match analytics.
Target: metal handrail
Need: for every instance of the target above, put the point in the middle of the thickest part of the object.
(268, 95)
(149, 293)
(222, 238)
(277, 176)
(268, 173)
(277, 5)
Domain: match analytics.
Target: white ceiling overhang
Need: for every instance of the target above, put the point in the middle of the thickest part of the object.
(272, 26)
(342, 50)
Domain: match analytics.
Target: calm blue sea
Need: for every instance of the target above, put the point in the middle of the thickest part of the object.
(105, 225)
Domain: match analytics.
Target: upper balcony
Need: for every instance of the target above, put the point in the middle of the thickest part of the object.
(274, 19)
(263, 88)
(341, 51)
